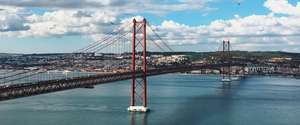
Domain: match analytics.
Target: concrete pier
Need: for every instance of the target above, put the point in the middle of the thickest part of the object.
(138, 109)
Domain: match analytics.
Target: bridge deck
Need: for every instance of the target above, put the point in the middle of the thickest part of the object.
(31, 89)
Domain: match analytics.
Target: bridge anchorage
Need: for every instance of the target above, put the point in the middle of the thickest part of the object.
(139, 64)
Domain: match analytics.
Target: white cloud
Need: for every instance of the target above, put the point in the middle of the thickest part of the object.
(79, 17)
(57, 23)
(11, 21)
(283, 7)
(250, 32)
(266, 32)
(119, 6)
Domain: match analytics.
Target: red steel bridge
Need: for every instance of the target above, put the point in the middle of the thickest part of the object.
(138, 70)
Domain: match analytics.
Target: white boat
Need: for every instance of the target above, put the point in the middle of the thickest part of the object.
(66, 71)
(196, 72)
(226, 80)
(235, 78)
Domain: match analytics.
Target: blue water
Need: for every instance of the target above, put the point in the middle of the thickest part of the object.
(174, 99)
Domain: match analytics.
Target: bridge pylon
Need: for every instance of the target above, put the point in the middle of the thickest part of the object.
(226, 61)
(139, 67)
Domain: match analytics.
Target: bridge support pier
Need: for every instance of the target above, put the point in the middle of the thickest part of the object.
(139, 67)
(138, 109)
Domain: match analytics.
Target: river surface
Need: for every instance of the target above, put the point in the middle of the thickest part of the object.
(174, 99)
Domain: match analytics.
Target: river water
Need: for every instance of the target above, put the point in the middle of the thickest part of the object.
(174, 99)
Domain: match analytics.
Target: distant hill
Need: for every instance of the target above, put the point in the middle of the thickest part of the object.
(201, 55)
(8, 54)
(239, 54)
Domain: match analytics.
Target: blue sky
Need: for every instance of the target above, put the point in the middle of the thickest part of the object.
(21, 32)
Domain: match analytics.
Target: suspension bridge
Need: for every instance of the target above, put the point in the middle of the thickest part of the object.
(143, 36)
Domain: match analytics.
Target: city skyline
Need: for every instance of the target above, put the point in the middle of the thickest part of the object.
(30, 26)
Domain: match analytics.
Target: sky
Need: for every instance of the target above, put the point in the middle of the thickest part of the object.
(47, 26)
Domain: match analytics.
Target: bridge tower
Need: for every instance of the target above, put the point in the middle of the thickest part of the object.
(226, 61)
(139, 67)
